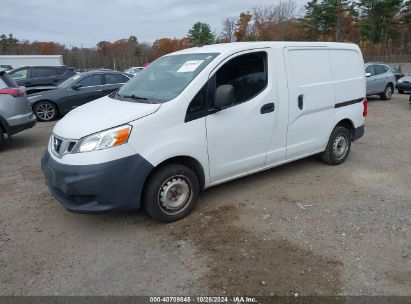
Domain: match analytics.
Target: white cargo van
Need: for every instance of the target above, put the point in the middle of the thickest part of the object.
(203, 116)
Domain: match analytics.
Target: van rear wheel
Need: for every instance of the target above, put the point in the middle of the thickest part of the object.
(171, 193)
(338, 146)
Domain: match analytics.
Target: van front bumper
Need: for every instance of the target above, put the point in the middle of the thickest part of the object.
(98, 188)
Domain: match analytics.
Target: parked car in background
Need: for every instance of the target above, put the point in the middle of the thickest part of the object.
(396, 69)
(380, 80)
(15, 112)
(134, 70)
(76, 91)
(37, 78)
(404, 84)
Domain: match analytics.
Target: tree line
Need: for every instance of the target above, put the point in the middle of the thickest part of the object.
(382, 29)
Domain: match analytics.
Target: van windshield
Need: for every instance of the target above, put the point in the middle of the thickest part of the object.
(165, 78)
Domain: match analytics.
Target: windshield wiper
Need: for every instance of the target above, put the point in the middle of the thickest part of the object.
(134, 97)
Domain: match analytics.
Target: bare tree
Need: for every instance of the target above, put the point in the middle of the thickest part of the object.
(228, 32)
(274, 18)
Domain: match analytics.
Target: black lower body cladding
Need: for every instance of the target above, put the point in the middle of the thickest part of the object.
(16, 129)
(358, 133)
(98, 188)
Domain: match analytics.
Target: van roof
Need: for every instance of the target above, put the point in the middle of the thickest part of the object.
(238, 46)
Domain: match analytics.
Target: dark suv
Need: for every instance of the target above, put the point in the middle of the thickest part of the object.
(33, 77)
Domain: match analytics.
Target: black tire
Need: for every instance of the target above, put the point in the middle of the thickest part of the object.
(400, 91)
(334, 154)
(165, 187)
(1, 136)
(45, 111)
(387, 94)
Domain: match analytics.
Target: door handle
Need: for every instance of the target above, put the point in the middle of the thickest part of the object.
(55, 80)
(301, 101)
(267, 108)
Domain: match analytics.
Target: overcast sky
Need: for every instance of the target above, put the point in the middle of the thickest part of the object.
(86, 22)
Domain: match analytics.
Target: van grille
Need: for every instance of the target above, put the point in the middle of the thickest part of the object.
(61, 146)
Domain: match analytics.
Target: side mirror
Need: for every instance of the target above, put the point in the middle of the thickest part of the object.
(224, 96)
(367, 74)
(76, 86)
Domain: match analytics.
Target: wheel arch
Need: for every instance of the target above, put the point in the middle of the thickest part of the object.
(184, 160)
(3, 124)
(348, 124)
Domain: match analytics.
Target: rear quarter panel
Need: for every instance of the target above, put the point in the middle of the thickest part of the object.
(349, 82)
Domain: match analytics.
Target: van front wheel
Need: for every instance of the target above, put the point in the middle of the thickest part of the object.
(171, 193)
(338, 146)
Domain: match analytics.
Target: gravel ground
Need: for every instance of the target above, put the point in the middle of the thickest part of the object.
(305, 228)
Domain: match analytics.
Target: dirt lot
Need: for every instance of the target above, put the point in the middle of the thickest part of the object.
(305, 228)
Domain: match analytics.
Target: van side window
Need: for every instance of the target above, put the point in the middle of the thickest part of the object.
(197, 106)
(246, 73)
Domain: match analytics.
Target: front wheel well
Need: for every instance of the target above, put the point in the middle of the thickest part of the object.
(348, 124)
(187, 161)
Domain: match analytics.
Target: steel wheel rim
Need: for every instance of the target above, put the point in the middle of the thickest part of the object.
(340, 147)
(175, 194)
(45, 111)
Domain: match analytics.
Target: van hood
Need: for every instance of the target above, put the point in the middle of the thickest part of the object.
(99, 115)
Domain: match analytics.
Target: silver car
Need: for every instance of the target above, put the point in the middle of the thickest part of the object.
(380, 80)
(15, 112)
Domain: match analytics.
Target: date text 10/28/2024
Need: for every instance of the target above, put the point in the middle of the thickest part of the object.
(205, 299)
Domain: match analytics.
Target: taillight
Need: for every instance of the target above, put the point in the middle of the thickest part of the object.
(365, 103)
(13, 91)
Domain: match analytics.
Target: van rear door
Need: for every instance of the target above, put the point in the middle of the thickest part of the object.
(311, 96)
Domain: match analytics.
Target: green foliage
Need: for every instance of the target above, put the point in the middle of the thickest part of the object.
(7, 42)
(137, 52)
(377, 19)
(324, 18)
(200, 34)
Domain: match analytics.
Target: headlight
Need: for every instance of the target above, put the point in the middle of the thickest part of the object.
(399, 81)
(105, 139)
